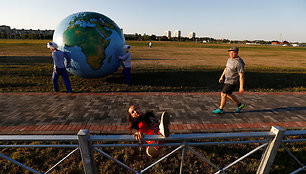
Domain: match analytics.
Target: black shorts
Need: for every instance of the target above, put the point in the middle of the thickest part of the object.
(228, 89)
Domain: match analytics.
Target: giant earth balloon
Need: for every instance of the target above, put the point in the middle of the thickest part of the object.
(91, 42)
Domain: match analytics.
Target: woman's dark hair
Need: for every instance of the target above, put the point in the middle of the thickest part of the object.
(133, 122)
(130, 120)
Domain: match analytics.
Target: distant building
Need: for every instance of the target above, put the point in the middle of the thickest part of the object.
(275, 43)
(177, 33)
(192, 35)
(286, 42)
(168, 34)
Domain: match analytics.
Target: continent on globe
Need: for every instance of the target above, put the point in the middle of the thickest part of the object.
(91, 41)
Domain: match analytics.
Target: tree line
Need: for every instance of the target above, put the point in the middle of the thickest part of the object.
(4, 35)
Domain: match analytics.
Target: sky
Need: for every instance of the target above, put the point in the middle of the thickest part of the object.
(228, 19)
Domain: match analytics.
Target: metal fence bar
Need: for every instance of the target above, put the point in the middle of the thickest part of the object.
(203, 158)
(227, 142)
(184, 137)
(275, 137)
(270, 153)
(178, 144)
(86, 152)
(62, 160)
(18, 163)
(178, 148)
(136, 145)
(43, 145)
(292, 155)
(115, 160)
(294, 140)
(38, 138)
(295, 133)
(183, 155)
(298, 170)
(244, 156)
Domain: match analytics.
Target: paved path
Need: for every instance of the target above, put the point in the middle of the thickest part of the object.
(60, 113)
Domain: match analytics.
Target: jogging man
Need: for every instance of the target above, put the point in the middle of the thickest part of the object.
(233, 73)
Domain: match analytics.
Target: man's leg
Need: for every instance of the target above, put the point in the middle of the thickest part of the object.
(222, 103)
(233, 98)
(55, 80)
(127, 76)
(238, 103)
(223, 100)
(66, 80)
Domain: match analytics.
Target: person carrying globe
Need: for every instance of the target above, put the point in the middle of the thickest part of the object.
(126, 58)
(59, 67)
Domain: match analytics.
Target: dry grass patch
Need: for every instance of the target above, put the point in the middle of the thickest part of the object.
(176, 54)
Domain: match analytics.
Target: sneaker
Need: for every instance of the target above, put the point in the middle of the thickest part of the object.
(218, 111)
(164, 124)
(152, 151)
(240, 107)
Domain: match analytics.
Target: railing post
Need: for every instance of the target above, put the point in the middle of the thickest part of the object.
(183, 155)
(86, 152)
(270, 153)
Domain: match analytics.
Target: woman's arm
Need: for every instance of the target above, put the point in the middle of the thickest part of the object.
(143, 128)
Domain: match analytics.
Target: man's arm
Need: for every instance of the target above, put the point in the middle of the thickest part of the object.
(67, 66)
(67, 60)
(123, 58)
(241, 80)
(222, 76)
(54, 61)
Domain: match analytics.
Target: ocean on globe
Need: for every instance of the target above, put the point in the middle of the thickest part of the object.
(91, 42)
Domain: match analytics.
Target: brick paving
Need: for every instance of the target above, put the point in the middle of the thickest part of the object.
(61, 113)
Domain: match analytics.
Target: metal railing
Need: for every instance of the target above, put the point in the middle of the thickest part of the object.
(87, 143)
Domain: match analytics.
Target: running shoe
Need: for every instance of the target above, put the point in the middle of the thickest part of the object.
(217, 111)
(164, 124)
(240, 107)
(152, 151)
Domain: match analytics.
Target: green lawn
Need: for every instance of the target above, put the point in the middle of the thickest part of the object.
(26, 66)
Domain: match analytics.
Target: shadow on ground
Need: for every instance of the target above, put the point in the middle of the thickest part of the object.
(24, 60)
(283, 109)
(34, 73)
(208, 80)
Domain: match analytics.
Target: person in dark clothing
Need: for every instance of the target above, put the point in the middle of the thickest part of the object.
(59, 68)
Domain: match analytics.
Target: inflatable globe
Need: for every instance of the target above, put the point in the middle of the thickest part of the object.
(91, 42)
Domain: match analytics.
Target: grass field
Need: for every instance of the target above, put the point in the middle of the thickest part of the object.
(26, 66)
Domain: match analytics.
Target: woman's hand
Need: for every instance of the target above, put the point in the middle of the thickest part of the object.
(138, 136)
